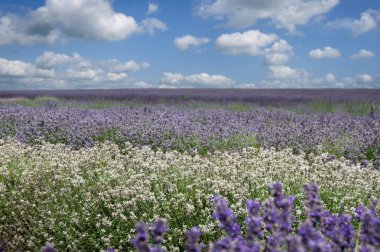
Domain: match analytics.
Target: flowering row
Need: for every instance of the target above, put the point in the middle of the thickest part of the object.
(90, 199)
(270, 228)
(206, 130)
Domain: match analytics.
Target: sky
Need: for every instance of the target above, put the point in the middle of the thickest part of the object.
(80, 44)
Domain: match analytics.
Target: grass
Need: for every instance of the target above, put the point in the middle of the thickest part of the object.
(351, 108)
(90, 199)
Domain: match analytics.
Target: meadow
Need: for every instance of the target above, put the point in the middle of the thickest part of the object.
(208, 170)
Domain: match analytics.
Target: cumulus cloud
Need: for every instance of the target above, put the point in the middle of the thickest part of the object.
(286, 77)
(195, 80)
(52, 60)
(251, 42)
(362, 54)
(369, 20)
(85, 74)
(283, 13)
(152, 8)
(61, 70)
(129, 66)
(326, 52)
(279, 53)
(150, 25)
(281, 72)
(83, 19)
(187, 41)
(17, 68)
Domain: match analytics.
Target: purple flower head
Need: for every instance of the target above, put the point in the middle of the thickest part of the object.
(294, 244)
(253, 208)
(359, 211)
(111, 250)
(370, 229)
(223, 244)
(314, 203)
(373, 207)
(160, 227)
(192, 240)
(339, 230)
(48, 248)
(271, 216)
(253, 222)
(286, 216)
(226, 217)
(312, 239)
(278, 215)
(277, 193)
(140, 243)
(254, 230)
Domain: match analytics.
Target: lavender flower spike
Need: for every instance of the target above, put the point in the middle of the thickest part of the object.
(48, 248)
(140, 243)
(192, 240)
(159, 229)
(226, 217)
(253, 222)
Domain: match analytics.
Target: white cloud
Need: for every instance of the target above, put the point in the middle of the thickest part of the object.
(14, 30)
(64, 71)
(209, 80)
(285, 72)
(51, 59)
(283, 13)
(83, 19)
(195, 80)
(16, 68)
(150, 25)
(251, 42)
(362, 54)
(128, 66)
(279, 53)
(330, 78)
(364, 78)
(86, 74)
(117, 76)
(369, 20)
(187, 41)
(247, 85)
(256, 43)
(326, 52)
(172, 78)
(152, 8)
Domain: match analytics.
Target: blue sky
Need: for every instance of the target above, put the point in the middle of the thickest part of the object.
(60, 44)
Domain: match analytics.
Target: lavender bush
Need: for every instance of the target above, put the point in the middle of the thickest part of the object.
(274, 231)
(204, 130)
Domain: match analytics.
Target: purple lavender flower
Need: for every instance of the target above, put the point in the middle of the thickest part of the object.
(370, 230)
(140, 243)
(359, 211)
(48, 248)
(192, 240)
(223, 244)
(313, 203)
(253, 222)
(294, 244)
(226, 217)
(278, 215)
(159, 229)
(312, 238)
(339, 230)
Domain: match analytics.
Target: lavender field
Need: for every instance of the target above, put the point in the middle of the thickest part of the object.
(210, 170)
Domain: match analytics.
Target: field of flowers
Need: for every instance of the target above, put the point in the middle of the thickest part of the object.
(90, 174)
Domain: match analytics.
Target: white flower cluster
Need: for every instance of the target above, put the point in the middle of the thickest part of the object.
(90, 199)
